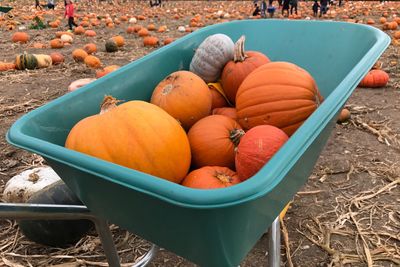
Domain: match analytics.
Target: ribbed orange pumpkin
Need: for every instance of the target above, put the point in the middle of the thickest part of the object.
(226, 111)
(56, 43)
(56, 58)
(119, 40)
(279, 94)
(90, 48)
(92, 62)
(151, 27)
(150, 41)
(79, 55)
(375, 79)
(20, 37)
(90, 33)
(237, 70)
(185, 96)
(213, 140)
(211, 177)
(256, 148)
(132, 133)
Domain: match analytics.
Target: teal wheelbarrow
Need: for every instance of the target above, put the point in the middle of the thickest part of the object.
(213, 228)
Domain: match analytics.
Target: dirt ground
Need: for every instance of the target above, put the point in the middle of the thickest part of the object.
(348, 213)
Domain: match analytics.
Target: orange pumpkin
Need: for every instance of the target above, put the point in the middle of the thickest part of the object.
(229, 112)
(213, 141)
(344, 115)
(396, 35)
(90, 48)
(168, 40)
(56, 58)
(56, 43)
(375, 79)
(256, 148)
(211, 178)
(90, 33)
(106, 71)
(185, 96)
(151, 27)
(150, 41)
(79, 55)
(119, 40)
(144, 132)
(237, 70)
(279, 94)
(143, 32)
(130, 29)
(20, 37)
(79, 30)
(4, 66)
(92, 62)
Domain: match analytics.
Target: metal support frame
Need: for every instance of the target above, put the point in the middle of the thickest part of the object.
(17, 211)
(274, 244)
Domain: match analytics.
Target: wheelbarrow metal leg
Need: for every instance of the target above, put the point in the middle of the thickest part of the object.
(107, 242)
(274, 248)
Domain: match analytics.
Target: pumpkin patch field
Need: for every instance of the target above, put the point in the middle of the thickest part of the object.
(222, 121)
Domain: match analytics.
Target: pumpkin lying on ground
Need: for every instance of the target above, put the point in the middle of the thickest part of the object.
(55, 233)
(22, 186)
(279, 94)
(111, 46)
(106, 70)
(210, 177)
(256, 148)
(185, 96)
(213, 141)
(26, 61)
(145, 131)
(79, 83)
(79, 55)
(4, 66)
(375, 79)
(236, 70)
(44, 61)
(20, 37)
(211, 56)
(56, 58)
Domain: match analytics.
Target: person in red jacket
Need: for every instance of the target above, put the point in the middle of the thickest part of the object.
(69, 13)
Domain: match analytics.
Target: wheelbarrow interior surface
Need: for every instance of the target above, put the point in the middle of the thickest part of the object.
(209, 227)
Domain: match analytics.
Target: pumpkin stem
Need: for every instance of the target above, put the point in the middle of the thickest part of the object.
(223, 177)
(108, 104)
(235, 135)
(239, 55)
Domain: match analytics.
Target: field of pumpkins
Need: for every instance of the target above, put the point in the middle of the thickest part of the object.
(217, 135)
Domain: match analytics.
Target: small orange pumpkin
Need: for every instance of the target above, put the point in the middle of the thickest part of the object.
(150, 41)
(185, 96)
(375, 79)
(79, 30)
(56, 58)
(213, 141)
(151, 27)
(143, 32)
(79, 55)
(168, 40)
(92, 62)
(119, 40)
(4, 66)
(106, 71)
(211, 177)
(20, 37)
(90, 33)
(56, 43)
(90, 48)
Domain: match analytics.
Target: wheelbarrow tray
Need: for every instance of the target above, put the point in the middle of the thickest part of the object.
(209, 227)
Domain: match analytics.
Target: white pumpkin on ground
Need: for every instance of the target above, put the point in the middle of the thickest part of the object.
(44, 61)
(79, 83)
(132, 20)
(22, 186)
(65, 38)
(211, 56)
(181, 29)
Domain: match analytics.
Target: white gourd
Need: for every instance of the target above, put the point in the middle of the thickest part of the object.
(79, 83)
(211, 56)
(65, 38)
(22, 186)
(132, 20)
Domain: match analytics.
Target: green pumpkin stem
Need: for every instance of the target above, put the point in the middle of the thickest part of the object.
(239, 55)
(108, 104)
(235, 135)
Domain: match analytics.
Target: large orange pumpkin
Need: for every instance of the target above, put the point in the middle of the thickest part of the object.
(132, 133)
(237, 70)
(256, 148)
(211, 177)
(185, 96)
(375, 79)
(213, 140)
(279, 94)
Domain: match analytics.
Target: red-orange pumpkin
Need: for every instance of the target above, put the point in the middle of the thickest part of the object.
(20, 37)
(256, 148)
(106, 70)
(226, 111)
(90, 48)
(79, 55)
(56, 58)
(213, 140)
(211, 177)
(185, 96)
(279, 94)
(150, 41)
(237, 70)
(375, 79)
